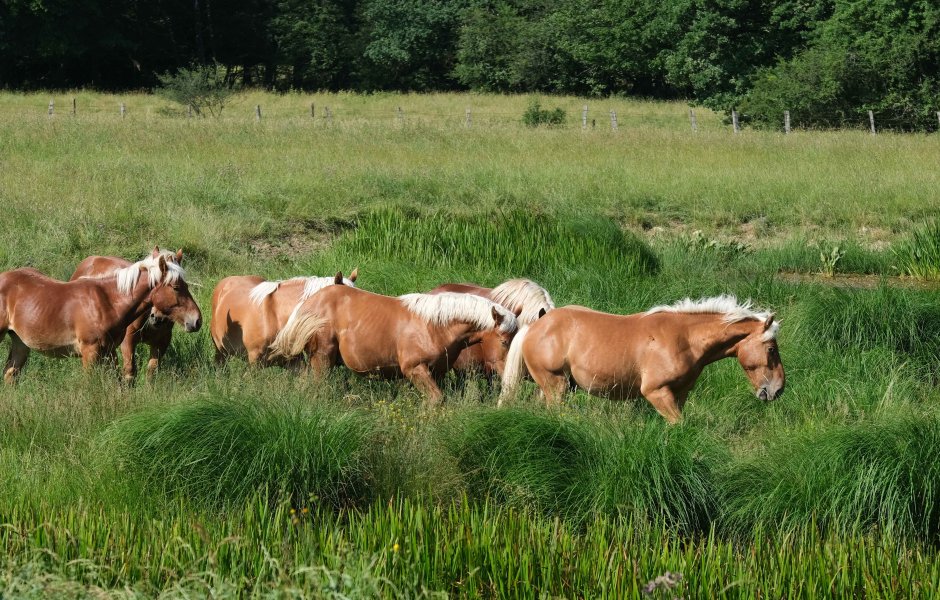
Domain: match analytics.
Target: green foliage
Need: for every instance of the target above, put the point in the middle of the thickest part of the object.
(201, 87)
(535, 115)
(919, 254)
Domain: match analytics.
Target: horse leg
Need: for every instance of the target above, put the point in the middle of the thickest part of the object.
(19, 352)
(159, 343)
(127, 355)
(665, 402)
(90, 353)
(422, 379)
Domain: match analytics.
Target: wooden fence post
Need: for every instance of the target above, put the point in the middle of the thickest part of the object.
(584, 111)
(74, 111)
(329, 116)
(734, 121)
(613, 120)
(51, 106)
(258, 112)
(871, 121)
(692, 120)
(401, 116)
(469, 119)
(938, 117)
(123, 110)
(189, 111)
(313, 112)
(786, 121)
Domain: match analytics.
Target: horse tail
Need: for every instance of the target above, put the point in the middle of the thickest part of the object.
(515, 366)
(301, 326)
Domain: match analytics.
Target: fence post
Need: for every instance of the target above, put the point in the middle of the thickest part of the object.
(74, 112)
(189, 111)
(51, 106)
(871, 121)
(329, 116)
(258, 112)
(469, 119)
(401, 116)
(123, 110)
(734, 121)
(584, 111)
(938, 117)
(692, 120)
(313, 113)
(786, 121)
(613, 120)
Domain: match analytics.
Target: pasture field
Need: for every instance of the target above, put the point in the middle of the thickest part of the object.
(224, 481)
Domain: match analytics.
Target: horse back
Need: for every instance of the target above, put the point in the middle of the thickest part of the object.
(94, 266)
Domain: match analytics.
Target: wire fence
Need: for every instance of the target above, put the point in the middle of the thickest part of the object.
(588, 117)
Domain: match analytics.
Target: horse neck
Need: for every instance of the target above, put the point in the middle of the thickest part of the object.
(128, 307)
(713, 339)
(457, 331)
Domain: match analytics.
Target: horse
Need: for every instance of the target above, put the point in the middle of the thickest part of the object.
(658, 354)
(525, 298)
(417, 336)
(88, 316)
(150, 329)
(248, 312)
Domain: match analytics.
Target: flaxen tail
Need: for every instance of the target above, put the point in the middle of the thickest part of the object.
(294, 338)
(515, 367)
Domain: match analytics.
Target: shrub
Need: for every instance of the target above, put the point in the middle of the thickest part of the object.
(202, 87)
(535, 115)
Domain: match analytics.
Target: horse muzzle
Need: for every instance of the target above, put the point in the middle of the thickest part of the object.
(193, 325)
(768, 393)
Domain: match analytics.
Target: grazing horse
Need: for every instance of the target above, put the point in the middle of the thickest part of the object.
(150, 329)
(658, 354)
(88, 316)
(525, 298)
(248, 312)
(417, 336)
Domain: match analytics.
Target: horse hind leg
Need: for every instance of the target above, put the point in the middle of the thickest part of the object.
(553, 385)
(19, 353)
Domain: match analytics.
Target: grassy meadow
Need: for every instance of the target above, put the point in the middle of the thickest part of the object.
(235, 482)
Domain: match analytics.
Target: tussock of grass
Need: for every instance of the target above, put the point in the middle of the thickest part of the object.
(576, 467)
(513, 241)
(919, 254)
(879, 473)
(220, 450)
(904, 321)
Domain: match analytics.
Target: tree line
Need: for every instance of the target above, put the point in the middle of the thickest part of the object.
(826, 61)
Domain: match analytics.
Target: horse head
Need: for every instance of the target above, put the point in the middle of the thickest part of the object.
(170, 297)
(760, 359)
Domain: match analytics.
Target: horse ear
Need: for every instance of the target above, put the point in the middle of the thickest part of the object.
(354, 275)
(338, 279)
(156, 251)
(179, 256)
(497, 316)
(541, 312)
(162, 265)
(768, 321)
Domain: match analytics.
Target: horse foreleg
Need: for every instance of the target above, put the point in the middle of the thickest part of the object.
(666, 403)
(422, 379)
(90, 354)
(553, 385)
(158, 348)
(127, 356)
(16, 360)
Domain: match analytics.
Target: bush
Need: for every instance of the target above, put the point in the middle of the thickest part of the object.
(535, 115)
(202, 87)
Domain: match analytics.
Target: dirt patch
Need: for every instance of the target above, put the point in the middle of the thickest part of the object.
(863, 282)
(301, 239)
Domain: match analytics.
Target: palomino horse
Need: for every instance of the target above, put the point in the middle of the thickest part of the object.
(151, 329)
(525, 298)
(416, 335)
(657, 354)
(89, 316)
(248, 312)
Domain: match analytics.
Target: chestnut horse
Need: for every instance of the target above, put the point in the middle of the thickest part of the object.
(658, 354)
(248, 312)
(525, 298)
(88, 316)
(152, 329)
(417, 336)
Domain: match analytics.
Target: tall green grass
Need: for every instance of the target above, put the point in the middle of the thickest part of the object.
(918, 254)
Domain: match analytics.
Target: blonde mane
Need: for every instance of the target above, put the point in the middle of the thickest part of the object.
(726, 305)
(442, 309)
(312, 285)
(524, 296)
(127, 277)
